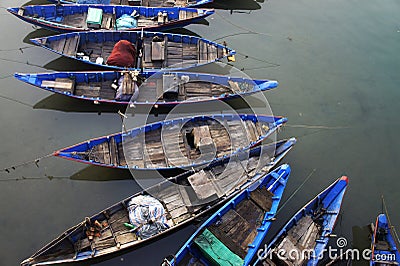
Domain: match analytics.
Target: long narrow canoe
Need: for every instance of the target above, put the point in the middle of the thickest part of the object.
(384, 248)
(180, 143)
(308, 230)
(158, 50)
(170, 207)
(151, 3)
(235, 232)
(163, 89)
(70, 18)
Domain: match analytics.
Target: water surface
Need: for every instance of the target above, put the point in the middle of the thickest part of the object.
(338, 66)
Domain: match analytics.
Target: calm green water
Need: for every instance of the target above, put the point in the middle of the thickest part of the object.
(338, 66)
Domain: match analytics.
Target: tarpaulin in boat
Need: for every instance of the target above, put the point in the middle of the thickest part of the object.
(126, 22)
(148, 215)
(123, 54)
(215, 251)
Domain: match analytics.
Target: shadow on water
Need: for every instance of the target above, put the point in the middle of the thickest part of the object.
(63, 103)
(235, 5)
(97, 173)
(36, 34)
(66, 104)
(69, 64)
(36, 2)
(183, 31)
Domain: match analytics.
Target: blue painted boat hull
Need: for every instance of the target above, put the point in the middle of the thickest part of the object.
(275, 183)
(84, 152)
(37, 80)
(383, 246)
(100, 38)
(51, 17)
(326, 207)
(197, 3)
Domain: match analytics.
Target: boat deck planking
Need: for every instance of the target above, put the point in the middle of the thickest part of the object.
(180, 202)
(238, 227)
(301, 238)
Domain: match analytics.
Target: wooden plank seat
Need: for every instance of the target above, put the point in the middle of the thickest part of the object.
(61, 84)
(108, 21)
(202, 185)
(238, 227)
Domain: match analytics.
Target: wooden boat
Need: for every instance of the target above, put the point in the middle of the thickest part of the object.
(70, 18)
(158, 50)
(308, 230)
(384, 247)
(235, 232)
(180, 143)
(148, 3)
(198, 192)
(163, 89)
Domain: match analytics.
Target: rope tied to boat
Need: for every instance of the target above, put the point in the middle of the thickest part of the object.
(297, 189)
(35, 161)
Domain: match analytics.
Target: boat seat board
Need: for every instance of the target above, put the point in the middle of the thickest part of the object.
(61, 84)
(238, 227)
(71, 45)
(95, 90)
(108, 21)
(215, 251)
(263, 198)
(202, 185)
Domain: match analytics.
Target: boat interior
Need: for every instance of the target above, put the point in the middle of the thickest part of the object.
(165, 88)
(300, 238)
(106, 17)
(157, 51)
(197, 191)
(232, 233)
(180, 144)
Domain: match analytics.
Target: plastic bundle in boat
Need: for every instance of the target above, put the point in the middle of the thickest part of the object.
(147, 214)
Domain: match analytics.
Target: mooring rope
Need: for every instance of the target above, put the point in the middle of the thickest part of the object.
(316, 126)
(21, 49)
(297, 189)
(20, 62)
(23, 178)
(241, 27)
(35, 161)
(16, 101)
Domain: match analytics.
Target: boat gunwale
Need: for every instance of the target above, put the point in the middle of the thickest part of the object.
(259, 86)
(279, 121)
(40, 42)
(64, 28)
(301, 213)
